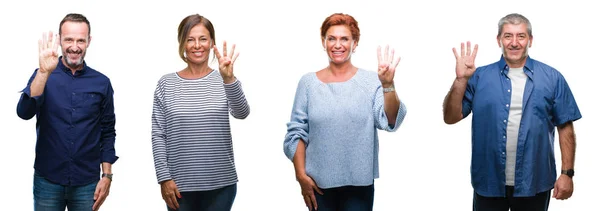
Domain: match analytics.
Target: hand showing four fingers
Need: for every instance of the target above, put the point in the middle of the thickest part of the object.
(226, 62)
(48, 52)
(386, 66)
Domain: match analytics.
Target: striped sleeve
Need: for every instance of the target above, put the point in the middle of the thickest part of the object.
(238, 106)
(159, 136)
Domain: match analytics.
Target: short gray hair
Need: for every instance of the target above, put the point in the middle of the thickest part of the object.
(514, 18)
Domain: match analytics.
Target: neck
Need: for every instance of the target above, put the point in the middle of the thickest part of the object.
(200, 69)
(340, 69)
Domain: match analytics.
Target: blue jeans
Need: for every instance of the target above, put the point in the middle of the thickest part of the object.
(48, 196)
(218, 200)
(346, 198)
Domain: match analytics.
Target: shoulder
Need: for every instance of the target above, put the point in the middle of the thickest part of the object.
(98, 74)
(538, 66)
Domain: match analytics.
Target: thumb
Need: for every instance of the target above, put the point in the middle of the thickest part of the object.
(556, 190)
(97, 193)
(177, 193)
(317, 189)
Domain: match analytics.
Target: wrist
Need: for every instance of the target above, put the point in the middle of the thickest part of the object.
(568, 172)
(108, 176)
(228, 80)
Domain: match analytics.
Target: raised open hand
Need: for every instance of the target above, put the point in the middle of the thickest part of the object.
(465, 62)
(226, 62)
(48, 50)
(387, 66)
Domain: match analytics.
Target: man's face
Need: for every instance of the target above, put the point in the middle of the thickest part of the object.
(515, 41)
(74, 40)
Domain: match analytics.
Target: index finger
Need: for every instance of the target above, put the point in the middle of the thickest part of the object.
(216, 50)
(379, 54)
(313, 200)
(455, 54)
(56, 42)
(174, 201)
(475, 51)
(232, 51)
(224, 48)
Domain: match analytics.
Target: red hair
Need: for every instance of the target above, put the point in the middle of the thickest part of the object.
(341, 19)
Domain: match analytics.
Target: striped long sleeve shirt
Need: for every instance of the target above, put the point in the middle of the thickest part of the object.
(191, 138)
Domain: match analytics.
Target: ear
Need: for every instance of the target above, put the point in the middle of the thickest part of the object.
(530, 41)
(499, 43)
(89, 40)
(323, 43)
(354, 45)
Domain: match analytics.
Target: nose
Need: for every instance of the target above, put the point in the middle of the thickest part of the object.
(196, 44)
(337, 44)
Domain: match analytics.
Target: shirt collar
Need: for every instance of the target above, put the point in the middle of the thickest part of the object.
(64, 68)
(528, 68)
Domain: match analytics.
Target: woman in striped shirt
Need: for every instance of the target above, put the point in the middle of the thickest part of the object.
(191, 138)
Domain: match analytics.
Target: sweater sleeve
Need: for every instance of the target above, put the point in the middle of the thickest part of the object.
(381, 120)
(238, 106)
(159, 148)
(297, 128)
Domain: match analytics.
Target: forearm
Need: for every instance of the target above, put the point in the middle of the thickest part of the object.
(566, 138)
(300, 159)
(391, 104)
(106, 168)
(38, 84)
(236, 99)
(453, 101)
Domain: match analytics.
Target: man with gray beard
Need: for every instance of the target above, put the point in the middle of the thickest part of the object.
(74, 109)
(516, 103)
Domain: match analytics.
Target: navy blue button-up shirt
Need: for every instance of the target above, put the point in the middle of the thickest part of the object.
(75, 124)
(547, 103)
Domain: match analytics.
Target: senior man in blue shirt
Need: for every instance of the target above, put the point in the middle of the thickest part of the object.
(73, 106)
(516, 103)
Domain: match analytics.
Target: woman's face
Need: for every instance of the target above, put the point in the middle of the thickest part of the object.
(338, 43)
(198, 44)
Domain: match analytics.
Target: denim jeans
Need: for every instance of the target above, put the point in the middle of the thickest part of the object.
(539, 202)
(48, 196)
(346, 198)
(213, 200)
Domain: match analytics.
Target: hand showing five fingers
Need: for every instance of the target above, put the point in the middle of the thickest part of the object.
(226, 62)
(465, 62)
(387, 66)
(48, 50)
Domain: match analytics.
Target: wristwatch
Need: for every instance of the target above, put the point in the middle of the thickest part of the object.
(568, 172)
(389, 89)
(109, 176)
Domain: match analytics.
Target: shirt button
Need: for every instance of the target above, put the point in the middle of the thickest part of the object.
(72, 109)
(509, 90)
(505, 122)
(507, 105)
(503, 136)
(73, 93)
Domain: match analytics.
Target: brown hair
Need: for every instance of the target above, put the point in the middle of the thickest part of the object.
(341, 19)
(186, 26)
(74, 17)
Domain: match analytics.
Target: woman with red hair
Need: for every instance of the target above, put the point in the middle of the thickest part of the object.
(332, 134)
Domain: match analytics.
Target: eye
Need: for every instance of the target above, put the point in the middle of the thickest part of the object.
(331, 39)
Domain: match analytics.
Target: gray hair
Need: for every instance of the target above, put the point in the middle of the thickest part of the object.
(515, 19)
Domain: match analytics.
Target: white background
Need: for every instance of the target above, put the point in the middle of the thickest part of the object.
(424, 165)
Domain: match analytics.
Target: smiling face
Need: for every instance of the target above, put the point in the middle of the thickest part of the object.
(514, 40)
(338, 44)
(198, 45)
(74, 41)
